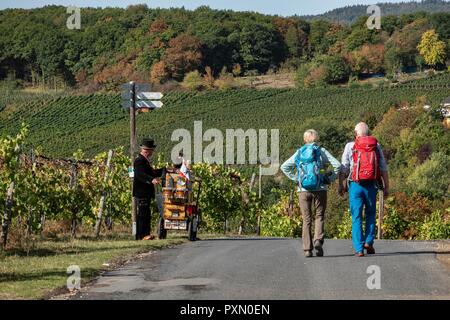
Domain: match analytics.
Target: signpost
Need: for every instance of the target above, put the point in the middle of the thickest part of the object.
(149, 95)
(143, 104)
(137, 97)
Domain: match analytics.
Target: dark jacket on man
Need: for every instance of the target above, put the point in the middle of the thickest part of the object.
(143, 177)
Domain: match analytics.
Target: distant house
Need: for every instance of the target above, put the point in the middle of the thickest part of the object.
(446, 107)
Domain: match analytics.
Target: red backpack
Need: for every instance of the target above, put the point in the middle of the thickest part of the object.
(366, 160)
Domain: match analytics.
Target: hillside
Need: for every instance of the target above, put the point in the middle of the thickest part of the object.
(95, 123)
(163, 46)
(350, 14)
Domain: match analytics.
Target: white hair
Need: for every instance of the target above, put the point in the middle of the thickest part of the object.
(311, 136)
(362, 129)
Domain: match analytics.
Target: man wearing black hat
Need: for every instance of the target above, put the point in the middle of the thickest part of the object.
(145, 177)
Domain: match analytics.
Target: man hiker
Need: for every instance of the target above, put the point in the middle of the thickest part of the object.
(145, 177)
(308, 167)
(364, 164)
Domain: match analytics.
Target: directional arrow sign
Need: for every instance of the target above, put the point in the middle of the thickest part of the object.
(143, 104)
(149, 95)
(149, 104)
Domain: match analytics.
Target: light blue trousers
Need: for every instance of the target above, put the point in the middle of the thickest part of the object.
(363, 196)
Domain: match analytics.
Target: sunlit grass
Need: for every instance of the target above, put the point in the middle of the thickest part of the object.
(43, 270)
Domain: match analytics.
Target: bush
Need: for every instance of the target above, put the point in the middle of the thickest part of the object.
(276, 223)
(225, 81)
(353, 82)
(337, 69)
(10, 85)
(345, 227)
(301, 75)
(316, 77)
(434, 228)
(394, 226)
(431, 179)
(192, 81)
(251, 73)
(323, 70)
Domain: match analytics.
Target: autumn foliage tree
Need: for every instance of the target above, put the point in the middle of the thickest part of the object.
(111, 76)
(159, 73)
(432, 49)
(182, 56)
(369, 59)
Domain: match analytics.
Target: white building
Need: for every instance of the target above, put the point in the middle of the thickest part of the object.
(446, 107)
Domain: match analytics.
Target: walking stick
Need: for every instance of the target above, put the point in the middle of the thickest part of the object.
(380, 214)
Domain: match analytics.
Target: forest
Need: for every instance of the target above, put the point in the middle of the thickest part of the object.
(161, 46)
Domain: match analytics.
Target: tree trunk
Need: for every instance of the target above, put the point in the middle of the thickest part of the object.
(74, 226)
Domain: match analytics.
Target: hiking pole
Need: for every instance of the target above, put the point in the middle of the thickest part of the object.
(380, 214)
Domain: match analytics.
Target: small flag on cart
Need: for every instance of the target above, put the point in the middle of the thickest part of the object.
(184, 171)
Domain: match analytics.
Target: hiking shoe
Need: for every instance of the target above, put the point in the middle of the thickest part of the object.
(360, 254)
(319, 248)
(369, 249)
(308, 254)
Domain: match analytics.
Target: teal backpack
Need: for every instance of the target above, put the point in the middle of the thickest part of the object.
(308, 163)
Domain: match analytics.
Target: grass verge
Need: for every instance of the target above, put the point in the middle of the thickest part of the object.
(42, 272)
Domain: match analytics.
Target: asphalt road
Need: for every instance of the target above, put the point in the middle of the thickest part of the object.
(274, 269)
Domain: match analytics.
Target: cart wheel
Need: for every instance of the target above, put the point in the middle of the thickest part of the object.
(162, 233)
(192, 229)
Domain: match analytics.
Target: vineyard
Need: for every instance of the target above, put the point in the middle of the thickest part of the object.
(35, 189)
(441, 81)
(95, 123)
(53, 167)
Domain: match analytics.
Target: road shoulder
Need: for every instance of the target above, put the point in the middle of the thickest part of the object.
(443, 252)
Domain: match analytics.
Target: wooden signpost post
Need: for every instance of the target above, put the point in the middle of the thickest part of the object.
(137, 98)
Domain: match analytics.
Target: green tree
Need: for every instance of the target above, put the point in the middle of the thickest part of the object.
(338, 69)
(260, 47)
(295, 41)
(318, 42)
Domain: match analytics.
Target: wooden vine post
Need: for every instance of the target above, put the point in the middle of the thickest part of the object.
(103, 197)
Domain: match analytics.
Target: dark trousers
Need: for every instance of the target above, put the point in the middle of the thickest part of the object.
(143, 218)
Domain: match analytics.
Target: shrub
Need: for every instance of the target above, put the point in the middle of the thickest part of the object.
(237, 70)
(323, 70)
(275, 222)
(394, 226)
(353, 82)
(208, 78)
(192, 81)
(431, 179)
(225, 81)
(301, 75)
(337, 70)
(345, 227)
(316, 77)
(434, 228)
(411, 208)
